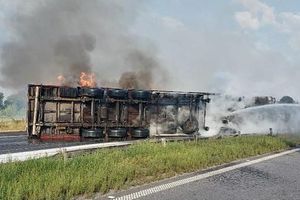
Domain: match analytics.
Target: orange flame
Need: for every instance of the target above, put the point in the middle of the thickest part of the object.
(87, 80)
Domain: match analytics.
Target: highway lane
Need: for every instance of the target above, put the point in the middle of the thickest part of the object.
(18, 142)
(276, 178)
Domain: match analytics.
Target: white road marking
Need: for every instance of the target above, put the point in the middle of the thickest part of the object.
(167, 186)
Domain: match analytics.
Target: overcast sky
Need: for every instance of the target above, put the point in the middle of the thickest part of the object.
(240, 47)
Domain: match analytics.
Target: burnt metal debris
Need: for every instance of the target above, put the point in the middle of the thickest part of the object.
(68, 113)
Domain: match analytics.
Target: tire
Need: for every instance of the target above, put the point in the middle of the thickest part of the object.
(92, 92)
(184, 100)
(170, 128)
(141, 94)
(199, 98)
(190, 126)
(68, 92)
(117, 93)
(117, 133)
(167, 101)
(92, 133)
(140, 133)
(227, 131)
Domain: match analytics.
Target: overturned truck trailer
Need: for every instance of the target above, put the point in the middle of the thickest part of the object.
(67, 113)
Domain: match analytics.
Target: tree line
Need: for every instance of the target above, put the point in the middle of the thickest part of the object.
(13, 106)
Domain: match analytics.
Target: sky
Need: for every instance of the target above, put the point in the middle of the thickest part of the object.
(238, 47)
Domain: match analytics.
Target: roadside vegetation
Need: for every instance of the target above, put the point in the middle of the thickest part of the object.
(112, 169)
(291, 139)
(12, 112)
(12, 125)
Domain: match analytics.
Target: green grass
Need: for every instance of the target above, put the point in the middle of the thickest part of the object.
(113, 169)
(12, 125)
(292, 139)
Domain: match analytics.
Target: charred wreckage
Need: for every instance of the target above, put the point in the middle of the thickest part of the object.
(76, 113)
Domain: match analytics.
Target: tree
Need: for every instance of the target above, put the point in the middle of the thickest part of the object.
(9, 112)
(13, 107)
(1, 100)
(16, 100)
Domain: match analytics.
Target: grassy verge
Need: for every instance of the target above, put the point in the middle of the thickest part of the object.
(104, 170)
(12, 125)
(291, 139)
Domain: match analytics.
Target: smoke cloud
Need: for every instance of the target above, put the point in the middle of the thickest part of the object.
(246, 115)
(53, 38)
(142, 76)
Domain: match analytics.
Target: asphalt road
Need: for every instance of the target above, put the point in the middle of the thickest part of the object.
(18, 142)
(277, 178)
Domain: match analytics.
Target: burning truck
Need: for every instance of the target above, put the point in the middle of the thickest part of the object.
(75, 113)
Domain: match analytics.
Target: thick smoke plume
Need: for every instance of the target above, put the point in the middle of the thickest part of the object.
(68, 37)
(142, 76)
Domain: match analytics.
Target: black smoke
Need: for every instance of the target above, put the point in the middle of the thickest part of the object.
(66, 37)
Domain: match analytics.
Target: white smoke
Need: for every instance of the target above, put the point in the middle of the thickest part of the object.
(242, 115)
(220, 107)
(280, 118)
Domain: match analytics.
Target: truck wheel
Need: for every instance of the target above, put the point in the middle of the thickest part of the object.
(117, 133)
(92, 133)
(184, 100)
(190, 126)
(169, 128)
(167, 101)
(117, 93)
(140, 94)
(140, 133)
(91, 92)
(68, 92)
